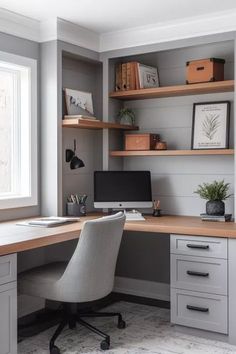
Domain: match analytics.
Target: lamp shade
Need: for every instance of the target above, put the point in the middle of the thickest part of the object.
(76, 163)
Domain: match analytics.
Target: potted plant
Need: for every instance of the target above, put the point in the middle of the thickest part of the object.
(126, 116)
(215, 193)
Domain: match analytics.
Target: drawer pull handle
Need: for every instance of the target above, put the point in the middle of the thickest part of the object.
(197, 274)
(200, 68)
(202, 247)
(196, 308)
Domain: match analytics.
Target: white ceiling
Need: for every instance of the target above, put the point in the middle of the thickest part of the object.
(104, 16)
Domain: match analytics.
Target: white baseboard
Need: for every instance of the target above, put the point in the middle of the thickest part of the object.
(144, 288)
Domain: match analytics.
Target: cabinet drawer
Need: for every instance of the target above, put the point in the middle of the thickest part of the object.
(199, 246)
(7, 268)
(199, 310)
(199, 274)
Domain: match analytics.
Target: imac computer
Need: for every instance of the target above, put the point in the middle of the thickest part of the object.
(123, 190)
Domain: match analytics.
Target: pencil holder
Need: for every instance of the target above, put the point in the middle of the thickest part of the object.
(74, 209)
(156, 212)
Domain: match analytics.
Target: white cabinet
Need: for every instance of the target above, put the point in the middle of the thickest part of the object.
(199, 282)
(8, 305)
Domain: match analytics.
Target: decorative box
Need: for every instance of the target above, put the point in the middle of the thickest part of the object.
(141, 141)
(204, 70)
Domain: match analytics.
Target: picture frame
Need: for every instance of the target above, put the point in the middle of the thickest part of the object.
(148, 76)
(210, 125)
(79, 102)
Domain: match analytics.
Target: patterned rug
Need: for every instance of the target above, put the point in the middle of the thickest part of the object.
(148, 331)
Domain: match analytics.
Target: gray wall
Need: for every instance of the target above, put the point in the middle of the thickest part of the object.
(30, 49)
(86, 76)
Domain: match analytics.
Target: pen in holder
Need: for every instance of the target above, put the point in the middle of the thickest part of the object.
(156, 208)
(76, 206)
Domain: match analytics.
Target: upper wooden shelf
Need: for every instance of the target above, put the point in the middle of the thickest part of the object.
(170, 91)
(90, 124)
(127, 153)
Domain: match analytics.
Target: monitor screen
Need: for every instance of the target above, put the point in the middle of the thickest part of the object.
(122, 189)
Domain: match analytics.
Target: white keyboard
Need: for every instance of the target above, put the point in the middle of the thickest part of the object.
(133, 215)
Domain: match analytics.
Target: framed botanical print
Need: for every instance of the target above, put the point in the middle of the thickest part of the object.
(210, 128)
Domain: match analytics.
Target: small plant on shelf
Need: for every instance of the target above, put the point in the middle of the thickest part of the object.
(214, 193)
(126, 116)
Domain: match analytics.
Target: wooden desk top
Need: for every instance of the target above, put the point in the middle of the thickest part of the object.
(15, 238)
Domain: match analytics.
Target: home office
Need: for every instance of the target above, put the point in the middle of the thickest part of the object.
(73, 60)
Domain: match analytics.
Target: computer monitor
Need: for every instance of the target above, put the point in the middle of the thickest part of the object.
(122, 189)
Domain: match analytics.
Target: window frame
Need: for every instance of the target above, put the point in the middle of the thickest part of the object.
(15, 201)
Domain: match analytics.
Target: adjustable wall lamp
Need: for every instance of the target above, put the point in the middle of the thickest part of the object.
(71, 157)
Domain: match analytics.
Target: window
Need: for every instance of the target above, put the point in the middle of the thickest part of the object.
(18, 131)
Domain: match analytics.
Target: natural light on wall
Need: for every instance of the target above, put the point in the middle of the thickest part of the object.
(18, 131)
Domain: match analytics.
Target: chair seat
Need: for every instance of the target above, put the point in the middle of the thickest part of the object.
(41, 281)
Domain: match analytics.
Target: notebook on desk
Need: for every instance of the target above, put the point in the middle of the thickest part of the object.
(51, 221)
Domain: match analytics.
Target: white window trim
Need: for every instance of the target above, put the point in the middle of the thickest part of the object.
(21, 201)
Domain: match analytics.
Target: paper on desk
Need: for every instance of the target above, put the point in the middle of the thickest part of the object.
(51, 221)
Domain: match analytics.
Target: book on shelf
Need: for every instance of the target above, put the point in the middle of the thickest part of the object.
(80, 117)
(118, 77)
(134, 75)
(221, 218)
(124, 76)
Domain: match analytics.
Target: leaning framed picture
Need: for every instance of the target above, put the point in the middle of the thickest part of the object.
(210, 127)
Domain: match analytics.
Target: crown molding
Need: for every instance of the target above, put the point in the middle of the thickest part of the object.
(77, 35)
(57, 28)
(165, 32)
(48, 30)
(18, 25)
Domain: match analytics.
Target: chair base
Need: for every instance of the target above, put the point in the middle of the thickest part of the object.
(70, 318)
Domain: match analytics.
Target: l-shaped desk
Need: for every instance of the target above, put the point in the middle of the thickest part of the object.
(203, 270)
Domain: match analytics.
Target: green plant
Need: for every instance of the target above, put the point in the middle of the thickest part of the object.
(126, 112)
(214, 191)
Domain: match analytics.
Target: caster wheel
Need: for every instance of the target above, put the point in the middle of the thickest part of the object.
(55, 350)
(121, 324)
(105, 345)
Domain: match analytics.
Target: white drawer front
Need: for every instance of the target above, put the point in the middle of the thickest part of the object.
(199, 246)
(199, 310)
(8, 268)
(199, 274)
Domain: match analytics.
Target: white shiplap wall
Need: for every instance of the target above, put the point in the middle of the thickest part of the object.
(174, 179)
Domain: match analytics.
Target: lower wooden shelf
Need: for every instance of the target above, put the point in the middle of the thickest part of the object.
(95, 124)
(172, 152)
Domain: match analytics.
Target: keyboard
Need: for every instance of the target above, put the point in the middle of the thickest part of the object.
(134, 215)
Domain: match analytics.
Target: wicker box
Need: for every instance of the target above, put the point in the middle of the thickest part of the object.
(141, 141)
(204, 70)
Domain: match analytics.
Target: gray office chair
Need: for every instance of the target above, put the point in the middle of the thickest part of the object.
(88, 276)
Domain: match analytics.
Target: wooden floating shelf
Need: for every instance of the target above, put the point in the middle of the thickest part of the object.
(172, 152)
(170, 91)
(90, 124)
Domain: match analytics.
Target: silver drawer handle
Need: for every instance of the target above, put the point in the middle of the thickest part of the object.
(196, 308)
(202, 247)
(197, 274)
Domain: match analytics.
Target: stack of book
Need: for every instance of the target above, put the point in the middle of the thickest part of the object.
(223, 218)
(81, 117)
(134, 76)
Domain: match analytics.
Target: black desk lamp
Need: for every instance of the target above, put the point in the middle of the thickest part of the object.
(71, 157)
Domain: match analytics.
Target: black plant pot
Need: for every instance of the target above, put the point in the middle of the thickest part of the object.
(215, 207)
